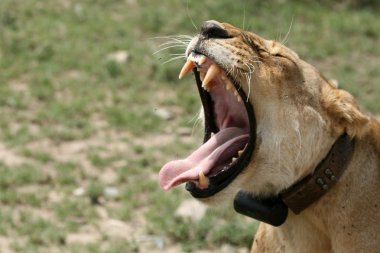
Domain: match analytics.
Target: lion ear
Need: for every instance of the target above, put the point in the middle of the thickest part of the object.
(344, 111)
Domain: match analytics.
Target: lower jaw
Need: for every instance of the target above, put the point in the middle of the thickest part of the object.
(222, 180)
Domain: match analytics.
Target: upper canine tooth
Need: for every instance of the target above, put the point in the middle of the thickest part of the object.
(240, 152)
(203, 180)
(202, 60)
(212, 72)
(189, 65)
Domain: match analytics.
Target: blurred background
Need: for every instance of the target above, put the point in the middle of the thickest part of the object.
(91, 109)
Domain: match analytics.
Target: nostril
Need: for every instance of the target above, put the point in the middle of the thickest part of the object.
(213, 29)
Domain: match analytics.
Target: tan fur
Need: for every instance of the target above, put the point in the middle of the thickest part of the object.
(299, 116)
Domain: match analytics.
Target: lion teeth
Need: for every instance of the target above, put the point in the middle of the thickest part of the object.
(237, 96)
(189, 65)
(195, 61)
(212, 72)
(191, 58)
(198, 59)
(234, 159)
(228, 84)
(240, 152)
(202, 60)
(203, 180)
(206, 88)
(202, 75)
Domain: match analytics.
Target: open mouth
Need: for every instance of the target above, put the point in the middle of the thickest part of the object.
(230, 132)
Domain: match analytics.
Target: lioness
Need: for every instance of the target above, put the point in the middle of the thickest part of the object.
(275, 128)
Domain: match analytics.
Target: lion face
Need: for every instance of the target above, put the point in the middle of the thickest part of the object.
(269, 117)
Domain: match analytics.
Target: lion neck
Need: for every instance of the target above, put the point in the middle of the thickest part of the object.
(356, 191)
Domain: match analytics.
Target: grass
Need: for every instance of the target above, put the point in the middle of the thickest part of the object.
(73, 117)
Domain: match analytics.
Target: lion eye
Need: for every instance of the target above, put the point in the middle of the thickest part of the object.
(258, 48)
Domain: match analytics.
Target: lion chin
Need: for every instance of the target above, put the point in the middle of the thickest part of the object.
(270, 118)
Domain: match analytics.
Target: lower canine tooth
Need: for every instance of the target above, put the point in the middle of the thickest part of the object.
(203, 180)
(240, 152)
(205, 87)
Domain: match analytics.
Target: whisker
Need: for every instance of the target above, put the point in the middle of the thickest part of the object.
(241, 73)
(162, 49)
(188, 14)
(172, 44)
(173, 59)
(178, 40)
(285, 40)
(182, 40)
(180, 54)
(296, 128)
(197, 120)
(174, 41)
(244, 15)
(178, 36)
(248, 76)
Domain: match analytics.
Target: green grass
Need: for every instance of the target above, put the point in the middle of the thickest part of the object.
(73, 118)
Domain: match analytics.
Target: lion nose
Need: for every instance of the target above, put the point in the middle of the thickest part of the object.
(214, 29)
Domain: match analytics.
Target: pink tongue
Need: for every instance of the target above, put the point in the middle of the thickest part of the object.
(225, 143)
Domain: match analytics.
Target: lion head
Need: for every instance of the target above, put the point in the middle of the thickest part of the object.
(269, 116)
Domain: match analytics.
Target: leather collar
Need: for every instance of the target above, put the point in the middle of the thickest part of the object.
(303, 193)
